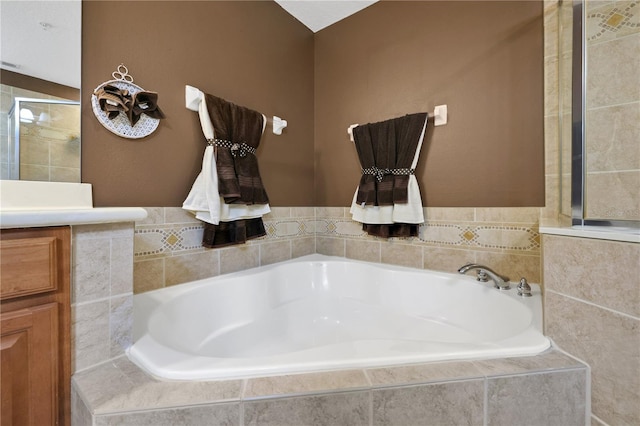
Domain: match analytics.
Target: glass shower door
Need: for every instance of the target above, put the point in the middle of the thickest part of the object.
(44, 140)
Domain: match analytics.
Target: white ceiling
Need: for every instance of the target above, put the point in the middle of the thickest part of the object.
(42, 38)
(319, 14)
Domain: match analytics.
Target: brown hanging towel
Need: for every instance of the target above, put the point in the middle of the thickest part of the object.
(237, 132)
(237, 135)
(230, 233)
(386, 150)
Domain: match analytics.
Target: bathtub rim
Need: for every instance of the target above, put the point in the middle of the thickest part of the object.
(156, 297)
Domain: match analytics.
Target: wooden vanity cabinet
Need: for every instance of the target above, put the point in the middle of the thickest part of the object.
(35, 323)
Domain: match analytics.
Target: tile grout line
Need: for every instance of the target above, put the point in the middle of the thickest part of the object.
(576, 299)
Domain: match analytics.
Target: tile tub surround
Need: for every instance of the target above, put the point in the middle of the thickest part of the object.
(592, 310)
(547, 389)
(168, 251)
(102, 297)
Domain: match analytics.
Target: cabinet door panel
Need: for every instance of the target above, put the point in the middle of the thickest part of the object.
(28, 266)
(29, 369)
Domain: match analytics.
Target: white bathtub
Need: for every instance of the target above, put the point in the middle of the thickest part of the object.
(324, 313)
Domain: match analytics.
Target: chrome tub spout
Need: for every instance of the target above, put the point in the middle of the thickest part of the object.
(485, 274)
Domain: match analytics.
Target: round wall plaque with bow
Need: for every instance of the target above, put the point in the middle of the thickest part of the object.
(125, 108)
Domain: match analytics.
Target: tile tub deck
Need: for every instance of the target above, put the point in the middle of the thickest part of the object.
(548, 389)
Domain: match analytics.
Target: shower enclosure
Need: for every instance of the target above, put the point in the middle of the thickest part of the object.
(43, 143)
(599, 108)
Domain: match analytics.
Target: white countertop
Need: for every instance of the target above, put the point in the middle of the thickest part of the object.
(60, 217)
(25, 204)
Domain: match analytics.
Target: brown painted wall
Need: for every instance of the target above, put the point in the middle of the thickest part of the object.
(27, 82)
(250, 52)
(483, 59)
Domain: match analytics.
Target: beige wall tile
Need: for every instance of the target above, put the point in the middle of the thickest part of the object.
(272, 252)
(91, 269)
(423, 373)
(120, 324)
(350, 408)
(65, 153)
(529, 215)
(155, 216)
(191, 267)
(32, 172)
(550, 85)
(367, 250)
(278, 212)
(552, 399)
(91, 342)
(613, 195)
(330, 246)
(431, 404)
(549, 213)
(544, 362)
(606, 273)
(218, 414)
(303, 211)
(303, 246)
(551, 146)
(64, 174)
(449, 214)
(446, 259)
(238, 258)
(179, 215)
(565, 81)
(396, 253)
(550, 28)
(610, 344)
(331, 212)
(80, 414)
(612, 137)
(148, 275)
(121, 386)
(305, 383)
(106, 231)
(613, 72)
(121, 265)
(514, 266)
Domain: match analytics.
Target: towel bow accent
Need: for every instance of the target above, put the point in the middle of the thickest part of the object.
(237, 149)
(381, 173)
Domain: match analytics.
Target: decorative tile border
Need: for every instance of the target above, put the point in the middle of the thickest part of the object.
(174, 233)
(620, 18)
(168, 250)
(176, 239)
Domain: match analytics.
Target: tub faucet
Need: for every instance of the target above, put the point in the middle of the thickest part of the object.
(485, 274)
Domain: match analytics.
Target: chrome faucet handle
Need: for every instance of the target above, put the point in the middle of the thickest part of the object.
(524, 289)
(482, 276)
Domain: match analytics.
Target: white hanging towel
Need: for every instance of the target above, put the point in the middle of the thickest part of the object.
(204, 200)
(411, 212)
